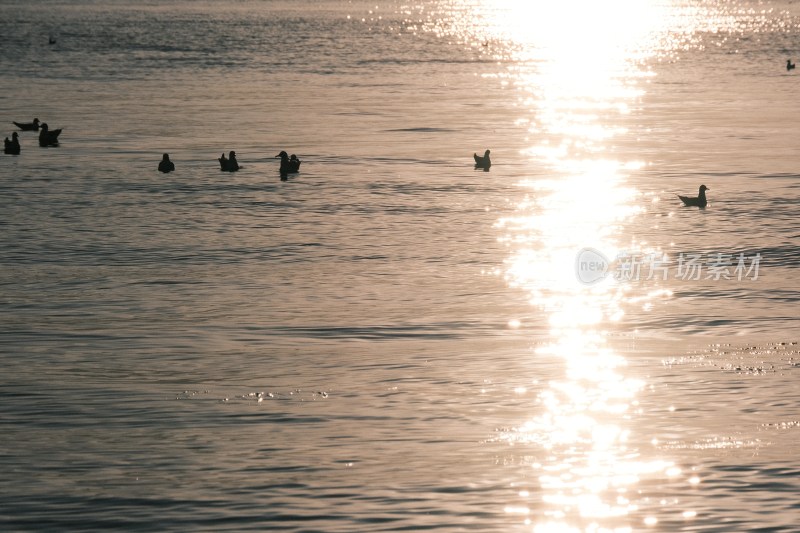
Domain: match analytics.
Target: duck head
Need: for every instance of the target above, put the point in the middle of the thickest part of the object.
(283, 155)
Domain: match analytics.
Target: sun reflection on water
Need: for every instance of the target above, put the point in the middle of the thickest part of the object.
(579, 66)
(581, 69)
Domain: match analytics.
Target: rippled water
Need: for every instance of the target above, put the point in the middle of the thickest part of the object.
(392, 340)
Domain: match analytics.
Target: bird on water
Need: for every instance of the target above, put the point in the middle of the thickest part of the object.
(27, 126)
(294, 164)
(483, 162)
(12, 147)
(289, 165)
(48, 137)
(229, 164)
(789, 64)
(166, 165)
(697, 201)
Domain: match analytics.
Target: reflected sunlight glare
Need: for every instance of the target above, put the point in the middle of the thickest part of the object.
(581, 69)
(579, 65)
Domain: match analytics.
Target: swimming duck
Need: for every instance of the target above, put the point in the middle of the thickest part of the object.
(294, 164)
(789, 64)
(229, 164)
(233, 164)
(483, 162)
(47, 137)
(288, 165)
(699, 201)
(12, 146)
(166, 165)
(28, 126)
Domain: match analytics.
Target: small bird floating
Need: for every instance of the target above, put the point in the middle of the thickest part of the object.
(11, 147)
(483, 162)
(229, 164)
(289, 165)
(166, 165)
(698, 201)
(789, 64)
(294, 164)
(47, 137)
(28, 126)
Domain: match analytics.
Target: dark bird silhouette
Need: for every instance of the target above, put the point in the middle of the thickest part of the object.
(483, 162)
(11, 147)
(47, 137)
(229, 164)
(294, 164)
(789, 64)
(28, 126)
(698, 201)
(289, 165)
(166, 165)
(51, 40)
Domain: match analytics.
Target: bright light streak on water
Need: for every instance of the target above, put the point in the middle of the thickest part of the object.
(580, 65)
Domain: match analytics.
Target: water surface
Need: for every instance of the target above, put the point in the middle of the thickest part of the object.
(391, 340)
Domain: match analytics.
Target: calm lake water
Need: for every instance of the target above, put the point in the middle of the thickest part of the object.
(392, 340)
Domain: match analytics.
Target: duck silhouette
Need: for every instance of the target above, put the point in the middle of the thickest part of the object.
(47, 137)
(294, 164)
(483, 162)
(789, 64)
(229, 164)
(27, 126)
(11, 147)
(289, 165)
(698, 201)
(166, 165)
